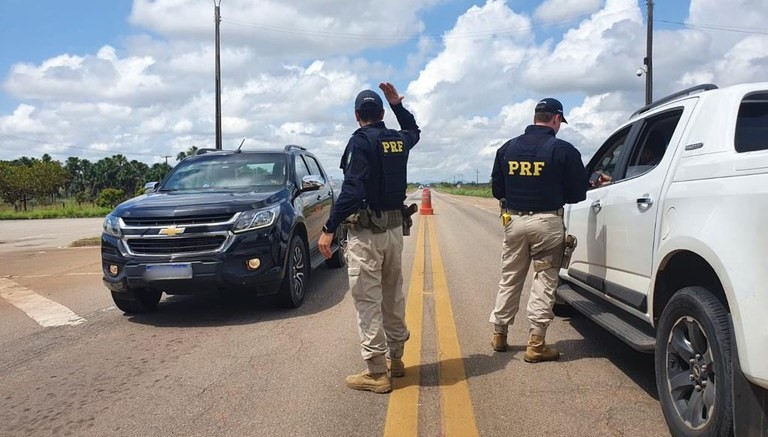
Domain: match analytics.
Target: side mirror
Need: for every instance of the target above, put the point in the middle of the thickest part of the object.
(150, 186)
(312, 183)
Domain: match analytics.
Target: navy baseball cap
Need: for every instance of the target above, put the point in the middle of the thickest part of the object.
(368, 97)
(553, 106)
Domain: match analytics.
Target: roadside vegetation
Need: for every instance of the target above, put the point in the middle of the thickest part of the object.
(87, 242)
(37, 188)
(66, 208)
(477, 190)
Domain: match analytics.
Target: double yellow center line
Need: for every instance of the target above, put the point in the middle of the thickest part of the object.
(458, 418)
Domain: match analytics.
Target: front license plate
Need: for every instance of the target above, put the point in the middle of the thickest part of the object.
(158, 272)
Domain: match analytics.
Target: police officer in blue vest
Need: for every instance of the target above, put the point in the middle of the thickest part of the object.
(371, 202)
(533, 176)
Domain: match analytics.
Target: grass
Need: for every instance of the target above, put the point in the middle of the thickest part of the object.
(86, 242)
(68, 210)
(467, 190)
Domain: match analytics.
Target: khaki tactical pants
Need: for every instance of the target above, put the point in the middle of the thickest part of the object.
(376, 285)
(536, 238)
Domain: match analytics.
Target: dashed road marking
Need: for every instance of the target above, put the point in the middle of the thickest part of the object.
(42, 310)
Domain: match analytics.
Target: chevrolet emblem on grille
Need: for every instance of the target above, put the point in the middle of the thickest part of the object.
(171, 231)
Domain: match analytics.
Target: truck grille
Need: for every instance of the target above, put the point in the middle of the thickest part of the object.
(178, 221)
(172, 246)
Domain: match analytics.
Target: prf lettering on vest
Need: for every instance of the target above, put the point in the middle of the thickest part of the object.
(525, 168)
(392, 146)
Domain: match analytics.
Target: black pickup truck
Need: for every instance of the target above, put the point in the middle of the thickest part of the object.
(243, 220)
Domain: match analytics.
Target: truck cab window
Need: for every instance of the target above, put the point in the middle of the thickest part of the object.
(752, 123)
(654, 139)
(602, 170)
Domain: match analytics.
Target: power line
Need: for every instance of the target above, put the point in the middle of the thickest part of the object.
(748, 30)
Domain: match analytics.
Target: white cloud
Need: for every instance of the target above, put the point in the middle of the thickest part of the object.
(601, 54)
(22, 121)
(560, 10)
(310, 27)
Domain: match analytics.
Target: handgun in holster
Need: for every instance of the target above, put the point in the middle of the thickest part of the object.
(408, 211)
(569, 245)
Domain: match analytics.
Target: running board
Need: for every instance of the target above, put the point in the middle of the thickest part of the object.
(317, 258)
(632, 332)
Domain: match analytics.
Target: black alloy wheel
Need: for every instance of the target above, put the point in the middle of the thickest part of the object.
(294, 286)
(693, 365)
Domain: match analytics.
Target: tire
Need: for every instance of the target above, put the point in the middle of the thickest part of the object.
(294, 285)
(339, 257)
(693, 365)
(137, 300)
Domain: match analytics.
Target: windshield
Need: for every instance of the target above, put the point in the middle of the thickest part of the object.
(238, 172)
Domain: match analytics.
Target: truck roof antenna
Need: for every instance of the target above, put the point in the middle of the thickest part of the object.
(241, 145)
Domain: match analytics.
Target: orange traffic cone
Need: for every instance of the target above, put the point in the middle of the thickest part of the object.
(426, 202)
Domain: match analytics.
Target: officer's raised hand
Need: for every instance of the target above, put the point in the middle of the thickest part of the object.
(390, 93)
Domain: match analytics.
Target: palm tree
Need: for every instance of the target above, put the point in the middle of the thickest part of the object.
(192, 151)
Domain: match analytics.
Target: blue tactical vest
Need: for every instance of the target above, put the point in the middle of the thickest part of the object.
(387, 185)
(532, 180)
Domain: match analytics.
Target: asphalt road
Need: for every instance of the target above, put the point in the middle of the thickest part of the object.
(217, 365)
(49, 233)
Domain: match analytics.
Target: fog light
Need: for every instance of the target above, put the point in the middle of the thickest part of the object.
(253, 263)
(113, 270)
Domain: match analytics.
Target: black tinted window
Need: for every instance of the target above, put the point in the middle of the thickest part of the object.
(752, 123)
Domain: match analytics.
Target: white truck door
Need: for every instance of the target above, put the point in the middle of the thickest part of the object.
(631, 211)
(585, 220)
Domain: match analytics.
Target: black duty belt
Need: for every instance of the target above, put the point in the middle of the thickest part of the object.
(519, 212)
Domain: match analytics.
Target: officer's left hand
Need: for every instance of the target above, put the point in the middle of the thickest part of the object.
(391, 93)
(324, 244)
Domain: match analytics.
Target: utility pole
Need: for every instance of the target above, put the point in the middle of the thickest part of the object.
(217, 19)
(649, 56)
(477, 177)
(166, 158)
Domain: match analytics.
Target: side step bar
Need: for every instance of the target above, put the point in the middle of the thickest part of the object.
(639, 337)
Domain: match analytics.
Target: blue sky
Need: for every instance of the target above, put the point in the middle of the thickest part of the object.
(138, 78)
(52, 27)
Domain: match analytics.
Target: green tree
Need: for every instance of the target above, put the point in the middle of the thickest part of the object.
(16, 184)
(110, 198)
(192, 151)
(157, 172)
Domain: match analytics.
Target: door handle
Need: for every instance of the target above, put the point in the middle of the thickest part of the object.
(645, 201)
(596, 206)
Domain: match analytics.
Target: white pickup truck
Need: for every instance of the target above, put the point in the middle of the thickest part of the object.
(672, 253)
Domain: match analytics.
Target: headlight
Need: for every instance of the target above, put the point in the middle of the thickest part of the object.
(112, 226)
(257, 219)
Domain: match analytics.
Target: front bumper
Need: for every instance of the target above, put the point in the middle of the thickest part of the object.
(221, 270)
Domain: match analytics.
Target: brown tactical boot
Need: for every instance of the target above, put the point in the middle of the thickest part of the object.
(499, 342)
(538, 351)
(396, 368)
(375, 382)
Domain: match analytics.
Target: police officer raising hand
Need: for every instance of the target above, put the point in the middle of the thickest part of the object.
(533, 176)
(390, 93)
(371, 204)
